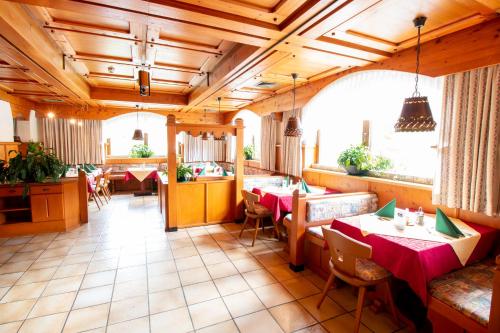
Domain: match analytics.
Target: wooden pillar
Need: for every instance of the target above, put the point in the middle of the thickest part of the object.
(172, 175)
(297, 232)
(83, 196)
(239, 169)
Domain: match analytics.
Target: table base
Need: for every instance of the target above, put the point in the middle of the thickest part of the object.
(142, 194)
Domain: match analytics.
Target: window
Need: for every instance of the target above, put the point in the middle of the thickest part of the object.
(251, 134)
(339, 110)
(120, 129)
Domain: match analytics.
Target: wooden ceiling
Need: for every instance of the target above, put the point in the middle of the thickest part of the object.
(83, 54)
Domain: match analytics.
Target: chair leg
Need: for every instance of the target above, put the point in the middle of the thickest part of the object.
(390, 300)
(329, 282)
(257, 221)
(359, 308)
(106, 192)
(244, 225)
(95, 200)
(101, 193)
(98, 197)
(277, 230)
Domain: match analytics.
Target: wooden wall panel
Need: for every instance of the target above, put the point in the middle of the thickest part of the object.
(191, 198)
(220, 205)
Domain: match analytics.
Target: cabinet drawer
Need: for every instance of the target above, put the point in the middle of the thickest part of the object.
(47, 207)
(46, 189)
(11, 191)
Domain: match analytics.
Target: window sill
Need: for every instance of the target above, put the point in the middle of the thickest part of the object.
(131, 160)
(372, 179)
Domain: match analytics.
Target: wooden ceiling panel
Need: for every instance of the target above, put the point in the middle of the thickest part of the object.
(180, 57)
(105, 23)
(104, 68)
(168, 87)
(99, 45)
(171, 75)
(113, 83)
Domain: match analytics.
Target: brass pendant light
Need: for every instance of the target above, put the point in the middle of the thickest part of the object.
(205, 134)
(223, 136)
(293, 128)
(416, 115)
(138, 132)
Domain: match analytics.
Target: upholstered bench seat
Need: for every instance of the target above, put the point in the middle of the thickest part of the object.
(315, 232)
(467, 290)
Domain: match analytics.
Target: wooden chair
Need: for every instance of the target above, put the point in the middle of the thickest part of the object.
(254, 211)
(93, 194)
(350, 262)
(98, 188)
(105, 182)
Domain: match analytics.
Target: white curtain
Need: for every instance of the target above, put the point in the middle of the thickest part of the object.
(468, 175)
(290, 150)
(268, 143)
(74, 143)
(230, 148)
(198, 150)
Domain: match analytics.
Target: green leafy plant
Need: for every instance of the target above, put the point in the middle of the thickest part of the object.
(184, 172)
(357, 160)
(249, 151)
(38, 165)
(141, 151)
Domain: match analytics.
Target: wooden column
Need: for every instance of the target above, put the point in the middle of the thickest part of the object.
(297, 232)
(172, 175)
(83, 197)
(239, 168)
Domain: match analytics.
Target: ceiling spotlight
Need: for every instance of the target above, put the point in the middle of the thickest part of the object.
(51, 115)
(80, 123)
(72, 121)
(111, 69)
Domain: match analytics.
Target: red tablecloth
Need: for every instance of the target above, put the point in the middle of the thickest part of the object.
(280, 202)
(129, 175)
(416, 261)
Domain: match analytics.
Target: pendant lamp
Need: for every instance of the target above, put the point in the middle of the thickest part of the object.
(205, 134)
(138, 132)
(223, 136)
(416, 115)
(293, 128)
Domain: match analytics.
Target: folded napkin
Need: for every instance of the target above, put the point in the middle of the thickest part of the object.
(305, 187)
(224, 172)
(202, 172)
(287, 181)
(387, 210)
(445, 226)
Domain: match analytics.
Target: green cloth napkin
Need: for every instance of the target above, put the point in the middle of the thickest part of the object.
(86, 168)
(446, 226)
(91, 167)
(305, 187)
(287, 180)
(202, 172)
(224, 172)
(387, 210)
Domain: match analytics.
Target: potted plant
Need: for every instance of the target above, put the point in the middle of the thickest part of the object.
(357, 160)
(249, 151)
(184, 172)
(141, 151)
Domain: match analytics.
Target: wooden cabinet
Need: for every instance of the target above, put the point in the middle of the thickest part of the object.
(47, 207)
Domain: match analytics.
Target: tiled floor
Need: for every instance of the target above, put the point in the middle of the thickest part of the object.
(122, 273)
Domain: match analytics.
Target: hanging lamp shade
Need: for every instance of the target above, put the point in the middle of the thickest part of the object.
(416, 115)
(293, 128)
(204, 136)
(138, 135)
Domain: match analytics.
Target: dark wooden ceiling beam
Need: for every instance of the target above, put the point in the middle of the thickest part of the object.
(107, 94)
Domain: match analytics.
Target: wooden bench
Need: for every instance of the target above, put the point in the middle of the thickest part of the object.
(467, 300)
(310, 211)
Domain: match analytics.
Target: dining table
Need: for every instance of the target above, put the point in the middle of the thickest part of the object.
(417, 261)
(279, 199)
(141, 174)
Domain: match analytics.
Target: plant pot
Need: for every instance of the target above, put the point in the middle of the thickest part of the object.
(354, 171)
(183, 179)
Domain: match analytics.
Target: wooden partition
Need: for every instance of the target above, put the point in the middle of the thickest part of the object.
(204, 201)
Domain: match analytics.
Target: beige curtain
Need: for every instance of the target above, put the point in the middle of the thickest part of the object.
(74, 143)
(268, 143)
(198, 150)
(230, 148)
(290, 152)
(468, 175)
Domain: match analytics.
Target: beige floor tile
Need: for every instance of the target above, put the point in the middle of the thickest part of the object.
(157, 256)
(184, 252)
(161, 268)
(258, 322)
(328, 309)
(200, 292)
(313, 329)
(10, 327)
(270, 259)
(208, 313)
(378, 322)
(24, 292)
(139, 325)
(130, 289)
(300, 287)
(7, 280)
(59, 286)
(127, 309)
(70, 270)
(45, 324)
(131, 273)
(231, 284)
(166, 300)
(194, 275)
(15, 267)
(292, 316)
(87, 318)
(238, 253)
(247, 265)
(345, 296)
(164, 282)
(15, 311)
(37, 275)
(174, 321)
(46, 263)
(243, 303)
(273, 294)
(74, 259)
(53, 304)
(343, 324)
(98, 279)
(189, 263)
(213, 258)
(258, 278)
(283, 272)
(93, 296)
(181, 243)
(222, 270)
(132, 260)
(224, 327)
(102, 265)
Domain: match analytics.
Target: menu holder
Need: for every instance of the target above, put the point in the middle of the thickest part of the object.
(446, 226)
(387, 210)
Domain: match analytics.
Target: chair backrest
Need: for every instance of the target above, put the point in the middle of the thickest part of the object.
(250, 199)
(344, 250)
(107, 174)
(98, 181)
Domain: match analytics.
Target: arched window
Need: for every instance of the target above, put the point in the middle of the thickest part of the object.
(374, 98)
(251, 134)
(121, 128)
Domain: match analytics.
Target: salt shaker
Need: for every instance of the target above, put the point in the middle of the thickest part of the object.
(420, 216)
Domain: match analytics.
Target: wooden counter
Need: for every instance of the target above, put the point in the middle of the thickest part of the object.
(46, 207)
